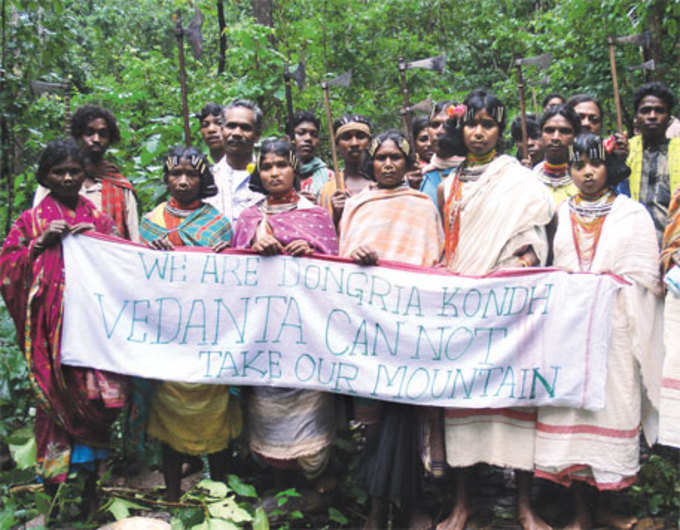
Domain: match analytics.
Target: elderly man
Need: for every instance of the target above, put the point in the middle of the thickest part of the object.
(95, 129)
(241, 129)
(654, 159)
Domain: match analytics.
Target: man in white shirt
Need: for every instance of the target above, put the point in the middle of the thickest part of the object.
(241, 129)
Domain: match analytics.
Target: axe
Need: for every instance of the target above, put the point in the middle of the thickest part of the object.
(540, 61)
(422, 106)
(42, 87)
(299, 77)
(642, 39)
(647, 65)
(344, 79)
(436, 64)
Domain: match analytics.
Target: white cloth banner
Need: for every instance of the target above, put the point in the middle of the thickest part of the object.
(422, 336)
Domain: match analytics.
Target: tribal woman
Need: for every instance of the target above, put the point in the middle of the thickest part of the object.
(601, 448)
(76, 406)
(494, 215)
(378, 224)
(190, 418)
(288, 428)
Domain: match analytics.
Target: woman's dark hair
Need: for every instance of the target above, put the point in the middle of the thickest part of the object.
(566, 112)
(399, 140)
(198, 161)
(550, 96)
(477, 100)
(281, 147)
(585, 98)
(533, 130)
(55, 153)
(299, 117)
(210, 109)
(592, 146)
(419, 123)
(85, 114)
(658, 89)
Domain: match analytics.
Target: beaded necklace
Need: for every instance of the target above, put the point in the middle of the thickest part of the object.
(587, 219)
(555, 175)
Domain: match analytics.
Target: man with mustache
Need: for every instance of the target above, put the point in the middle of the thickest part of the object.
(654, 160)
(95, 130)
(352, 138)
(241, 128)
(559, 126)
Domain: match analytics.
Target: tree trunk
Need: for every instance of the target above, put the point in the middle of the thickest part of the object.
(262, 11)
(223, 38)
(5, 169)
(655, 26)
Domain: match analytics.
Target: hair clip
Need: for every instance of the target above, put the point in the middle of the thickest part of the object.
(405, 146)
(374, 147)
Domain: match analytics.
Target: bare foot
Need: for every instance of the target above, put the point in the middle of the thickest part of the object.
(607, 517)
(457, 519)
(530, 520)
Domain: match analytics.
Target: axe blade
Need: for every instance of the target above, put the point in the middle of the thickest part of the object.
(642, 39)
(541, 61)
(344, 79)
(40, 87)
(299, 76)
(647, 65)
(437, 63)
(422, 106)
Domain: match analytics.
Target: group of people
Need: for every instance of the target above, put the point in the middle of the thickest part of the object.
(571, 199)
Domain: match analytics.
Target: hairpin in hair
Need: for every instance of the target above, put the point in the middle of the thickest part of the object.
(405, 146)
(374, 147)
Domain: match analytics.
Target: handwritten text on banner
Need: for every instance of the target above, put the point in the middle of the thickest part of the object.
(381, 332)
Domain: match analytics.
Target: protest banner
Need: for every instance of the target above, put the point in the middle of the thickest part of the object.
(397, 333)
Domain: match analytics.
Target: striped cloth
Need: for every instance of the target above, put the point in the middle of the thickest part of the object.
(505, 209)
(204, 227)
(602, 447)
(401, 224)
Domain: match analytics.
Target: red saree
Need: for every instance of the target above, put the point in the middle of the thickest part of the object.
(75, 404)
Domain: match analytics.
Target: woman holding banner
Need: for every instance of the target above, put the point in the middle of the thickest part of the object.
(494, 214)
(76, 406)
(601, 448)
(288, 428)
(190, 418)
(378, 224)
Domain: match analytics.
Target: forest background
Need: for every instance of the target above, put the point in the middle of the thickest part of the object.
(123, 55)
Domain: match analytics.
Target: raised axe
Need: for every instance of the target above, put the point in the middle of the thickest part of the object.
(436, 64)
(344, 79)
(647, 65)
(299, 76)
(540, 61)
(641, 39)
(42, 87)
(195, 38)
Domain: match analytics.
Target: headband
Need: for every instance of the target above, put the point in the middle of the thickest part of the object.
(353, 126)
(402, 144)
